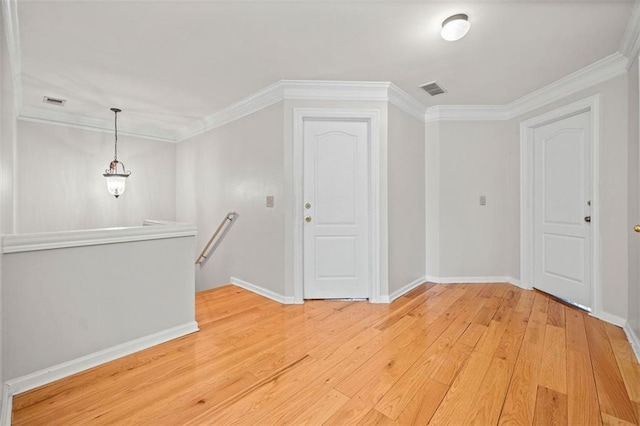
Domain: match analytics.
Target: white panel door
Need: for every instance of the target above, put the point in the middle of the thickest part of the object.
(336, 210)
(562, 265)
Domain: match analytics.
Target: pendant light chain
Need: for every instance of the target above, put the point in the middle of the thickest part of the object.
(116, 141)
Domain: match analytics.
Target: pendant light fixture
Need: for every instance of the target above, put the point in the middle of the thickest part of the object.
(116, 180)
(455, 27)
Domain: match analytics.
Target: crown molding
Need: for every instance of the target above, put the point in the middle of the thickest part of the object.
(335, 90)
(406, 102)
(630, 46)
(277, 92)
(466, 113)
(595, 73)
(600, 71)
(261, 99)
(367, 91)
(61, 118)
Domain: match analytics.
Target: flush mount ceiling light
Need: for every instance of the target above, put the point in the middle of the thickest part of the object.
(455, 27)
(116, 180)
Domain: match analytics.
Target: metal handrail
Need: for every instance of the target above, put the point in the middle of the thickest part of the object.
(229, 218)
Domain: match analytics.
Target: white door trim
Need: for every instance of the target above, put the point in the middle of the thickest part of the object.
(591, 104)
(372, 118)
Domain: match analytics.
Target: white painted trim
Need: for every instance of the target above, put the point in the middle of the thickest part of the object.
(270, 95)
(595, 73)
(630, 45)
(610, 318)
(372, 117)
(76, 121)
(600, 71)
(7, 406)
(19, 243)
(335, 90)
(408, 104)
(407, 288)
(515, 282)
(467, 113)
(155, 222)
(57, 117)
(261, 99)
(473, 280)
(527, 127)
(633, 338)
(57, 372)
(306, 90)
(260, 290)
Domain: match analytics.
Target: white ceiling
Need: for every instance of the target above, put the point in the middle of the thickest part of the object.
(169, 63)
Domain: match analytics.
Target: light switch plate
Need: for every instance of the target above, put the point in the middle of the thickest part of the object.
(483, 200)
(270, 200)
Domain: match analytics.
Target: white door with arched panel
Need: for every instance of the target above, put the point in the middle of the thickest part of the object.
(562, 209)
(335, 192)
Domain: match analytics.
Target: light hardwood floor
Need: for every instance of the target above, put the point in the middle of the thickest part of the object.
(442, 354)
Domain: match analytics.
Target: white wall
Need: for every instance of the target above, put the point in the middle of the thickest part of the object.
(7, 141)
(234, 167)
(634, 195)
(432, 190)
(482, 158)
(473, 162)
(466, 241)
(60, 184)
(406, 187)
(62, 304)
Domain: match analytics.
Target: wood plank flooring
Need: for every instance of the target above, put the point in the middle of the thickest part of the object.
(454, 354)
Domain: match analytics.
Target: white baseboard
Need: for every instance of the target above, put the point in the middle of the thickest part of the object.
(7, 406)
(407, 288)
(634, 340)
(382, 299)
(610, 318)
(48, 375)
(261, 291)
(472, 280)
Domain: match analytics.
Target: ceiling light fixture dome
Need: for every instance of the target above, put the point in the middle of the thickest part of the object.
(455, 27)
(116, 180)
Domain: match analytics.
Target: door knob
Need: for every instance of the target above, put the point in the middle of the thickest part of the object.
(636, 228)
(307, 219)
(587, 218)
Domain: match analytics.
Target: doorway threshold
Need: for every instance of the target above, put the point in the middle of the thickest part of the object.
(565, 301)
(342, 300)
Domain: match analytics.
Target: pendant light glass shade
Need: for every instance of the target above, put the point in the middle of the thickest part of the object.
(116, 180)
(455, 27)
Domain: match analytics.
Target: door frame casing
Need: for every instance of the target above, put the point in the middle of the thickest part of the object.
(527, 180)
(372, 118)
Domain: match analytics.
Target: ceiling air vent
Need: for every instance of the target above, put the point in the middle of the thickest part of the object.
(54, 101)
(433, 88)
